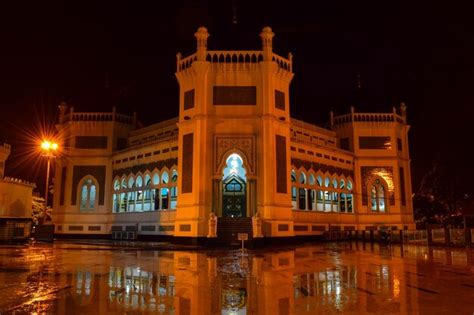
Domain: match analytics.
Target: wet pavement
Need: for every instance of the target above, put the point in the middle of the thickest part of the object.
(349, 278)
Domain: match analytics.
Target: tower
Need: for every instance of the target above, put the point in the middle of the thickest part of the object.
(83, 171)
(234, 107)
(379, 142)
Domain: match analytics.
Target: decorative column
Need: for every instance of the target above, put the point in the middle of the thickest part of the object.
(267, 43)
(201, 38)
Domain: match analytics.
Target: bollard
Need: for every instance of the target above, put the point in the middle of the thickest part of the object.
(447, 237)
(429, 236)
(467, 235)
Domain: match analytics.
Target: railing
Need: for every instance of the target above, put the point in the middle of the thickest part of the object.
(155, 139)
(186, 63)
(368, 117)
(311, 134)
(99, 117)
(283, 63)
(237, 59)
(18, 181)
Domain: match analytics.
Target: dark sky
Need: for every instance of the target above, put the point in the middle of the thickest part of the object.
(419, 53)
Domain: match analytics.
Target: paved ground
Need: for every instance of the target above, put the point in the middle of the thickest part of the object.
(350, 278)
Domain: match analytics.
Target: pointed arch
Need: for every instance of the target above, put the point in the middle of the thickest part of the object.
(378, 194)
(88, 192)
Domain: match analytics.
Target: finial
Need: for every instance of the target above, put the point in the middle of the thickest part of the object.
(403, 110)
(201, 37)
(394, 110)
(234, 14)
(359, 82)
(62, 111)
(352, 109)
(267, 46)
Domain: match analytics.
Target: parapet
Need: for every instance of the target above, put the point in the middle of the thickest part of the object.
(234, 60)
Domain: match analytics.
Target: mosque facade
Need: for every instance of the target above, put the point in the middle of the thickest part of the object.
(233, 160)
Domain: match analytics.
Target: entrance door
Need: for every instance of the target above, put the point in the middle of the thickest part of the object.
(233, 197)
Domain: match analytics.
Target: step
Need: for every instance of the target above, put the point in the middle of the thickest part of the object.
(228, 228)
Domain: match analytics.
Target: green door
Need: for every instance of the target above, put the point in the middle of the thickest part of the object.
(233, 197)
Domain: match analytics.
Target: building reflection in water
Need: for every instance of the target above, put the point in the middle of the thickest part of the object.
(306, 280)
(137, 289)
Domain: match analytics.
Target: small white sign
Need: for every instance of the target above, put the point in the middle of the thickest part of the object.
(243, 236)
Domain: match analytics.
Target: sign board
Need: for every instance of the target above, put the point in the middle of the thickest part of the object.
(242, 236)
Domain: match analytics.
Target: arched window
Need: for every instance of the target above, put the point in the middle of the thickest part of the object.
(326, 182)
(139, 181)
(156, 179)
(124, 183)
(349, 185)
(311, 179)
(302, 192)
(147, 180)
(174, 177)
(342, 184)
(334, 183)
(349, 196)
(293, 176)
(302, 178)
(174, 189)
(293, 188)
(377, 196)
(165, 178)
(88, 193)
(319, 181)
(131, 182)
(116, 185)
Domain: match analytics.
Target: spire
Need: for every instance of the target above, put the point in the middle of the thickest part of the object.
(403, 110)
(358, 98)
(62, 111)
(234, 13)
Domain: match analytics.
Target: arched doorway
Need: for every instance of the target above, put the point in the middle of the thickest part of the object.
(234, 188)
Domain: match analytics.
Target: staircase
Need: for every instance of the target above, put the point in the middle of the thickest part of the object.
(228, 228)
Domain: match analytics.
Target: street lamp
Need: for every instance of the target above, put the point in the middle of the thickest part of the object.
(49, 148)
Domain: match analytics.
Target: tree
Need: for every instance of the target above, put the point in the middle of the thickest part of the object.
(40, 215)
(441, 198)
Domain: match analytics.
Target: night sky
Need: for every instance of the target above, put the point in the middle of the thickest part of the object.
(94, 55)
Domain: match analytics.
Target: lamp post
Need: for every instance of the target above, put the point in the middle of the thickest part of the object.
(49, 148)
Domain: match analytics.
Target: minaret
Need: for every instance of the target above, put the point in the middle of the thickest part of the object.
(194, 162)
(274, 202)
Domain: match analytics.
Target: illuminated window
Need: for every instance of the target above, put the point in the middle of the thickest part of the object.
(165, 178)
(88, 193)
(377, 196)
(293, 189)
(156, 179)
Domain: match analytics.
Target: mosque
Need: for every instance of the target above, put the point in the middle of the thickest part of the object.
(233, 161)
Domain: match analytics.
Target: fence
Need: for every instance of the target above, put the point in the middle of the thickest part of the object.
(441, 237)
